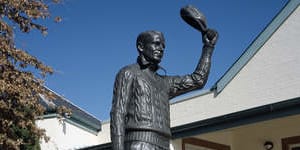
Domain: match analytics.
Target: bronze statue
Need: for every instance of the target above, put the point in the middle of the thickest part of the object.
(140, 117)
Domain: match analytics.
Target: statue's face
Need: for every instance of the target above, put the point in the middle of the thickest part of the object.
(153, 48)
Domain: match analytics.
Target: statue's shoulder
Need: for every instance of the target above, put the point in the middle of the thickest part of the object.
(129, 70)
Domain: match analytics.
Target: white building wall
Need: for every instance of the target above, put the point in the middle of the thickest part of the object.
(272, 75)
(65, 136)
(104, 134)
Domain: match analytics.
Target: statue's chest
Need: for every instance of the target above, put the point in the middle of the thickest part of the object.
(151, 85)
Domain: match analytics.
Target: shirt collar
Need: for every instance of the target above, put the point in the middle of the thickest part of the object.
(146, 64)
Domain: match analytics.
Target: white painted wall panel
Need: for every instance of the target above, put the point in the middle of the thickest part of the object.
(104, 135)
(65, 136)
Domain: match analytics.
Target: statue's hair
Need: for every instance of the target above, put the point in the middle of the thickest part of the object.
(146, 35)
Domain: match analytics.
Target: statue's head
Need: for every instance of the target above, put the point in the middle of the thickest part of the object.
(151, 45)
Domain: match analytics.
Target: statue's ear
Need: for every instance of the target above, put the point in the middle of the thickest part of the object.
(140, 47)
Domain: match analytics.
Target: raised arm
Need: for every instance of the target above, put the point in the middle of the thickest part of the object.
(121, 95)
(196, 80)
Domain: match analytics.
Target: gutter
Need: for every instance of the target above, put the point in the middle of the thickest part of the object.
(257, 114)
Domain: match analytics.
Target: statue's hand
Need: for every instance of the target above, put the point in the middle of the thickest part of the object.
(210, 37)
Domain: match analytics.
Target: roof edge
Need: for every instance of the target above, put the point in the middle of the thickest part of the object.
(67, 100)
(94, 124)
(256, 44)
(74, 121)
(262, 113)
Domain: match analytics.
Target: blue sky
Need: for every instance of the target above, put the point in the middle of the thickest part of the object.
(97, 38)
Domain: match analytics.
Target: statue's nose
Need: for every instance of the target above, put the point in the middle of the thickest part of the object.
(161, 47)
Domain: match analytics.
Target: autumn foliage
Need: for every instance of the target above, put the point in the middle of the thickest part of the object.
(20, 88)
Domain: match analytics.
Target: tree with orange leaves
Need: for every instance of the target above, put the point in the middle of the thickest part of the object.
(20, 88)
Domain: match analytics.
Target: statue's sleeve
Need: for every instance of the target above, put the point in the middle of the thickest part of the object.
(121, 94)
(196, 80)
